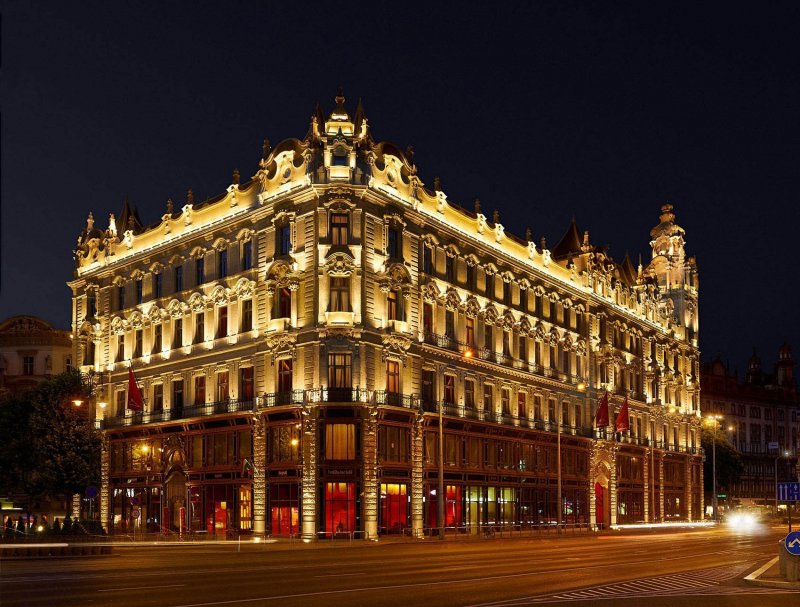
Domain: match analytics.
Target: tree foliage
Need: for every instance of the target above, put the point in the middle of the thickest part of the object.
(729, 461)
(48, 446)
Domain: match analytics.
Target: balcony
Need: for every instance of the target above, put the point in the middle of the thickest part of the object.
(339, 319)
(138, 418)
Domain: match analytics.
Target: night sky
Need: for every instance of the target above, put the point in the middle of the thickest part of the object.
(543, 111)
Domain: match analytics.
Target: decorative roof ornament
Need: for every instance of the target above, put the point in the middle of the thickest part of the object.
(477, 206)
(190, 197)
(89, 222)
(265, 148)
(236, 177)
(410, 155)
(112, 225)
(586, 247)
(169, 206)
(437, 184)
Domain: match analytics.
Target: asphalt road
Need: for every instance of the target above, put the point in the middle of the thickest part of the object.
(664, 569)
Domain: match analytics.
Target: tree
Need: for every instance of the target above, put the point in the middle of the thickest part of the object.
(729, 461)
(48, 446)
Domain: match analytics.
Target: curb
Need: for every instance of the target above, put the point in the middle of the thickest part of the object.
(753, 578)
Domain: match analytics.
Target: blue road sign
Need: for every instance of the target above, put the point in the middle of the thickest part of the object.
(788, 492)
(792, 543)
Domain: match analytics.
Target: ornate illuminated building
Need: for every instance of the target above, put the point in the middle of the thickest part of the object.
(315, 319)
(761, 418)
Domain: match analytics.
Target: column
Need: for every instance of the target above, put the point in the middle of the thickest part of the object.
(687, 487)
(661, 488)
(259, 476)
(417, 470)
(646, 484)
(309, 481)
(701, 493)
(612, 486)
(105, 489)
(370, 474)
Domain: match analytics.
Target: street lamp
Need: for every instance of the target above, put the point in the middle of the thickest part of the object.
(440, 500)
(777, 457)
(715, 419)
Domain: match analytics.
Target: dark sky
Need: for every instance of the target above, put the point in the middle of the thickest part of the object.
(543, 110)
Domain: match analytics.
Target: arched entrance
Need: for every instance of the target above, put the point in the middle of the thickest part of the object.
(174, 516)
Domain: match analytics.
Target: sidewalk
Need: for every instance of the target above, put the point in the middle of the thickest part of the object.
(769, 576)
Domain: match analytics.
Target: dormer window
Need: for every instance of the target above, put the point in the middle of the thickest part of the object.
(340, 228)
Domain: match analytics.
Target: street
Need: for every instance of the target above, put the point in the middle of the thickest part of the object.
(669, 568)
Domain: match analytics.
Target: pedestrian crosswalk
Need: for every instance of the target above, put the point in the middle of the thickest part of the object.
(696, 583)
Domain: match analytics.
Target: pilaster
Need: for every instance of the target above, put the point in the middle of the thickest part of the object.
(105, 489)
(309, 481)
(417, 485)
(370, 474)
(259, 477)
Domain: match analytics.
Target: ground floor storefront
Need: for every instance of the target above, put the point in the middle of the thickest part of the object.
(366, 471)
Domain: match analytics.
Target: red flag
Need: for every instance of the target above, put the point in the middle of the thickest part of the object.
(623, 420)
(601, 418)
(135, 401)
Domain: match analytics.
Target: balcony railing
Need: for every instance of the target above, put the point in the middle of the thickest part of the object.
(132, 418)
(470, 350)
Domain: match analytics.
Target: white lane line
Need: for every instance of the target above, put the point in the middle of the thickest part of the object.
(142, 587)
(341, 574)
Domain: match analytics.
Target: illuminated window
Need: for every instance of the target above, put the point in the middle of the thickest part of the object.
(392, 377)
(427, 260)
(283, 303)
(121, 403)
(470, 325)
(427, 318)
(394, 302)
(449, 389)
(247, 255)
(472, 273)
(340, 228)
(450, 324)
(469, 394)
(522, 405)
(340, 294)
(339, 371)
(340, 507)
(523, 348)
(285, 443)
(394, 507)
(488, 397)
(340, 442)
(488, 338)
(91, 304)
(137, 348)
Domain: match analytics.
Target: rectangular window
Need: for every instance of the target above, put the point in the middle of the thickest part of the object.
(449, 389)
(120, 348)
(394, 310)
(551, 411)
(247, 255)
(469, 394)
(507, 294)
(200, 390)
(157, 338)
(247, 315)
(471, 277)
(223, 392)
(450, 324)
(158, 398)
(505, 401)
(285, 381)
(340, 442)
(285, 443)
(393, 444)
(393, 245)
(340, 228)
(199, 327)
(523, 300)
(199, 271)
(523, 348)
(121, 403)
(427, 318)
(284, 240)
(222, 264)
(340, 294)
(121, 297)
(565, 414)
(177, 333)
(157, 285)
(222, 322)
(91, 304)
(339, 373)
(488, 398)
(246, 384)
(27, 365)
(177, 395)
(427, 260)
(283, 303)
(139, 291)
(507, 343)
(522, 405)
(178, 279)
(470, 325)
(392, 377)
(428, 386)
(488, 338)
(450, 269)
(137, 348)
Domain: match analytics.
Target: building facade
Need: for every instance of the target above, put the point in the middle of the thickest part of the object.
(31, 350)
(297, 337)
(761, 417)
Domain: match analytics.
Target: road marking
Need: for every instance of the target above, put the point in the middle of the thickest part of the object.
(142, 587)
(341, 574)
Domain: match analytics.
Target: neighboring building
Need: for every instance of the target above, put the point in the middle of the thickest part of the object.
(31, 350)
(312, 321)
(762, 420)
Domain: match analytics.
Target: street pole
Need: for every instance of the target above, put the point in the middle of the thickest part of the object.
(441, 496)
(714, 470)
(558, 468)
(777, 457)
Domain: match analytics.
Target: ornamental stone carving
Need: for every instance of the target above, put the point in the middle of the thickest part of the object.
(395, 345)
(340, 264)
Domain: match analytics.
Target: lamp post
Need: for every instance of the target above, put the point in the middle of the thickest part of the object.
(715, 419)
(777, 457)
(558, 467)
(440, 501)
